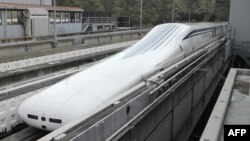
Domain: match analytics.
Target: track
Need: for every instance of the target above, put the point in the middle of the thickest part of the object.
(4, 91)
(27, 134)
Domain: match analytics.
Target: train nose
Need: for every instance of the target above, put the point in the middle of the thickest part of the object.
(33, 117)
(22, 111)
(27, 115)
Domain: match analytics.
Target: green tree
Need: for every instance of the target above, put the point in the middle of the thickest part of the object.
(154, 11)
(68, 3)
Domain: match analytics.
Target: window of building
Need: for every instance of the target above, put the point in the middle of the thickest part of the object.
(51, 17)
(14, 17)
(20, 16)
(72, 17)
(58, 17)
(0, 17)
(66, 17)
(63, 17)
(8, 17)
(78, 17)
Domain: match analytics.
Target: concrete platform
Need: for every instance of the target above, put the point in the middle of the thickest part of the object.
(232, 106)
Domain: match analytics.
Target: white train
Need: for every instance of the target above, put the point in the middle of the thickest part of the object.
(89, 91)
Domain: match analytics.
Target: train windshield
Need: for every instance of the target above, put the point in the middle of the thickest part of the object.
(154, 39)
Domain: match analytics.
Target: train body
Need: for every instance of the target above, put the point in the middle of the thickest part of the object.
(87, 92)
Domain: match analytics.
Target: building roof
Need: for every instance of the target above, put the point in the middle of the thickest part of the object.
(47, 7)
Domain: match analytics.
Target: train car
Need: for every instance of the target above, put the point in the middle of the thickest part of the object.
(89, 91)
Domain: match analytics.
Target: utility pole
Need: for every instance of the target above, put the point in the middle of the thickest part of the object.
(189, 10)
(189, 14)
(173, 12)
(141, 4)
(55, 36)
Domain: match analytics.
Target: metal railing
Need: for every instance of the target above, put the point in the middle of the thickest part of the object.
(100, 20)
(85, 25)
(88, 21)
(42, 38)
(10, 40)
(242, 49)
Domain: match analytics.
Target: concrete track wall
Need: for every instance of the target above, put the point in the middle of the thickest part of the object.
(176, 116)
(23, 50)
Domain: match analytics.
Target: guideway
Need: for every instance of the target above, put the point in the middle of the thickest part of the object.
(166, 106)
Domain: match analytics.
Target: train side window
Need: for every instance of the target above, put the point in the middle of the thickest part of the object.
(33, 117)
(55, 120)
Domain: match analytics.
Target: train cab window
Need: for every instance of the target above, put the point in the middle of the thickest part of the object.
(32, 116)
(43, 118)
(55, 120)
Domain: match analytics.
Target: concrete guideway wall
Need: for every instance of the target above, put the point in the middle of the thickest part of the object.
(29, 49)
(25, 63)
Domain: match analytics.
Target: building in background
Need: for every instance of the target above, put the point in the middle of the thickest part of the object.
(240, 21)
(37, 2)
(35, 18)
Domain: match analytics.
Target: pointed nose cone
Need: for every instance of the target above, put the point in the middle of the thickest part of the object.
(26, 112)
(23, 111)
(31, 115)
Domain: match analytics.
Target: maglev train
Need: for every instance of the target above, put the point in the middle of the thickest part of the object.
(89, 91)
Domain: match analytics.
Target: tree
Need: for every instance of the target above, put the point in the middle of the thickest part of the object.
(210, 10)
(154, 11)
(68, 3)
